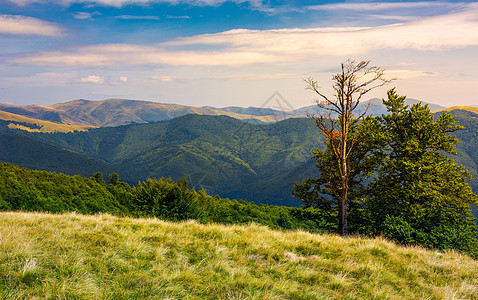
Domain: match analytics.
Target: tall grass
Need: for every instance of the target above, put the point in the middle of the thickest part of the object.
(73, 256)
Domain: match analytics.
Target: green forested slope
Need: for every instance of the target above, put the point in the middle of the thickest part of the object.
(223, 155)
(30, 190)
(32, 154)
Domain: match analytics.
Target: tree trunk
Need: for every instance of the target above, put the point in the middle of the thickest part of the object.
(343, 223)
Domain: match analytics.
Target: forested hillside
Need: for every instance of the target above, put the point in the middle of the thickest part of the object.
(223, 155)
(29, 190)
(28, 153)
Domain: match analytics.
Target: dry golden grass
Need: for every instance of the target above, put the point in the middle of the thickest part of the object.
(467, 108)
(47, 125)
(73, 256)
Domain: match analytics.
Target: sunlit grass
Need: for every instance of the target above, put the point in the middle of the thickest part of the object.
(73, 256)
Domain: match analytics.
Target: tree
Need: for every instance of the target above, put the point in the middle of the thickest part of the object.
(339, 126)
(420, 195)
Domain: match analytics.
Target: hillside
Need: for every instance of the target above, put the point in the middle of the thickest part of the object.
(469, 109)
(38, 125)
(116, 112)
(28, 153)
(97, 257)
(218, 153)
(223, 155)
(41, 191)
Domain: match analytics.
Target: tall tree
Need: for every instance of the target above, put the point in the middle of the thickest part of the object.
(339, 126)
(420, 195)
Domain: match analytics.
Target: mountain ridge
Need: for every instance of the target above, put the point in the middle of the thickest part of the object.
(116, 112)
(224, 155)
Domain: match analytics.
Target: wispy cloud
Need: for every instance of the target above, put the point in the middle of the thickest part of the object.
(22, 25)
(374, 6)
(83, 15)
(178, 17)
(413, 74)
(161, 78)
(121, 3)
(241, 47)
(130, 17)
(268, 76)
(93, 79)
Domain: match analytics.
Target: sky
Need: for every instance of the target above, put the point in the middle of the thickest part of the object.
(232, 53)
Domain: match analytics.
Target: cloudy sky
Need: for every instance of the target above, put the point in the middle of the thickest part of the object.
(238, 52)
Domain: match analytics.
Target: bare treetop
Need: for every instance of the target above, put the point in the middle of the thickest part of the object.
(354, 81)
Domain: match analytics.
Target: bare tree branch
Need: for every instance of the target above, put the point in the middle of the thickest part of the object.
(354, 80)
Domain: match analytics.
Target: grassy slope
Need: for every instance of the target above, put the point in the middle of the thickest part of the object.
(465, 108)
(74, 256)
(47, 126)
(115, 112)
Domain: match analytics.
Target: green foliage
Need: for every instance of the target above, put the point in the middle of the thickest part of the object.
(461, 237)
(317, 192)
(27, 190)
(403, 182)
(224, 155)
(165, 199)
(22, 189)
(29, 153)
(417, 185)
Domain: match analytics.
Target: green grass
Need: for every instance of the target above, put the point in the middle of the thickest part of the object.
(71, 256)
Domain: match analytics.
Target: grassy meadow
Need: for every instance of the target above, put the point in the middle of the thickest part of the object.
(72, 256)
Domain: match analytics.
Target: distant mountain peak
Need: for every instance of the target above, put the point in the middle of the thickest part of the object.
(117, 111)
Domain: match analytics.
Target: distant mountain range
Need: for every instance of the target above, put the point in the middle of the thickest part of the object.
(226, 156)
(257, 160)
(84, 114)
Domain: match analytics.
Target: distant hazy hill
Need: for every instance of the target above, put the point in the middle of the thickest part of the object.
(374, 107)
(116, 112)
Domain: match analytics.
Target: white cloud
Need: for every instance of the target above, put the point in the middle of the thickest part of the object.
(242, 47)
(123, 79)
(268, 76)
(178, 17)
(26, 2)
(93, 79)
(82, 15)
(130, 17)
(121, 3)
(393, 17)
(412, 74)
(373, 6)
(162, 78)
(16, 24)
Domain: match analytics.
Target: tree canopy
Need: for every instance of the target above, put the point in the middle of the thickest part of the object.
(405, 185)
